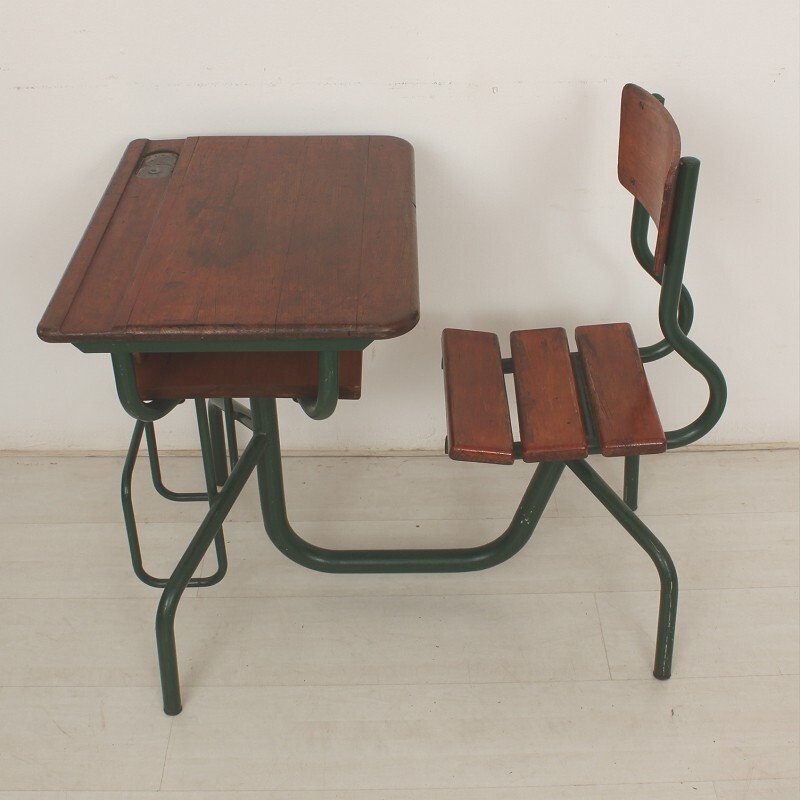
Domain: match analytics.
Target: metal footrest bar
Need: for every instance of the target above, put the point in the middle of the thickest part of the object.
(155, 471)
(646, 539)
(131, 528)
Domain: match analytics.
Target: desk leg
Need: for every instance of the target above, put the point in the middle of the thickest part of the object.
(273, 505)
(206, 533)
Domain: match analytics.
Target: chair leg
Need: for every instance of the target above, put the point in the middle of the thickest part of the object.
(668, 603)
(630, 492)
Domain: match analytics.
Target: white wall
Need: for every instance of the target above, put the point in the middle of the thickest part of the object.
(512, 107)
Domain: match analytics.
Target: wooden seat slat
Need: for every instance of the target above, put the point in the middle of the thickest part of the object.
(623, 410)
(478, 420)
(550, 423)
(182, 376)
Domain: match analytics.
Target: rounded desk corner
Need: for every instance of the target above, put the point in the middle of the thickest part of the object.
(396, 141)
(50, 332)
(404, 324)
(136, 148)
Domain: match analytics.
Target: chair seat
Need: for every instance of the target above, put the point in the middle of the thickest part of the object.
(183, 376)
(475, 392)
(568, 404)
(622, 408)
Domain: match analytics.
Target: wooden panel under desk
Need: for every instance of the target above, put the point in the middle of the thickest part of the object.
(181, 376)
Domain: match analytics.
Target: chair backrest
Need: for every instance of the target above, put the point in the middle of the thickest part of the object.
(649, 156)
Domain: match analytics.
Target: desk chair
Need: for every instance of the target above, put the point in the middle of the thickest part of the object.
(597, 400)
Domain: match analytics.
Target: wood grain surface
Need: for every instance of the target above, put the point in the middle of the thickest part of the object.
(625, 417)
(550, 422)
(649, 155)
(178, 376)
(249, 237)
(478, 419)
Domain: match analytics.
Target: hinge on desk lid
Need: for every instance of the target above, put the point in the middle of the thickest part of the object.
(157, 165)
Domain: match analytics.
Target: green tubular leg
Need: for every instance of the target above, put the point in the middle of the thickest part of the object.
(668, 603)
(182, 575)
(273, 505)
(233, 411)
(230, 430)
(207, 452)
(631, 482)
(130, 521)
(215, 424)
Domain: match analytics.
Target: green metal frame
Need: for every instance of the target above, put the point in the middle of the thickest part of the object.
(217, 427)
(208, 532)
(126, 496)
(279, 530)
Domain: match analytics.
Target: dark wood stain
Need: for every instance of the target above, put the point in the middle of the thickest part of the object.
(625, 417)
(478, 420)
(649, 155)
(178, 376)
(250, 237)
(550, 423)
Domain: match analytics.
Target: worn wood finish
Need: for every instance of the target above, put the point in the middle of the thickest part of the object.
(625, 417)
(180, 376)
(649, 155)
(53, 319)
(550, 422)
(478, 421)
(250, 237)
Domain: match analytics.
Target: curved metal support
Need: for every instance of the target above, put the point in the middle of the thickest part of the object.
(273, 505)
(327, 387)
(155, 471)
(669, 303)
(663, 348)
(182, 575)
(130, 521)
(128, 392)
(640, 225)
(646, 539)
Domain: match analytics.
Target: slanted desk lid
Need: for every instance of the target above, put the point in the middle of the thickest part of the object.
(234, 238)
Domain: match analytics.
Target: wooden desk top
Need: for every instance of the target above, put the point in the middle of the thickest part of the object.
(246, 238)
